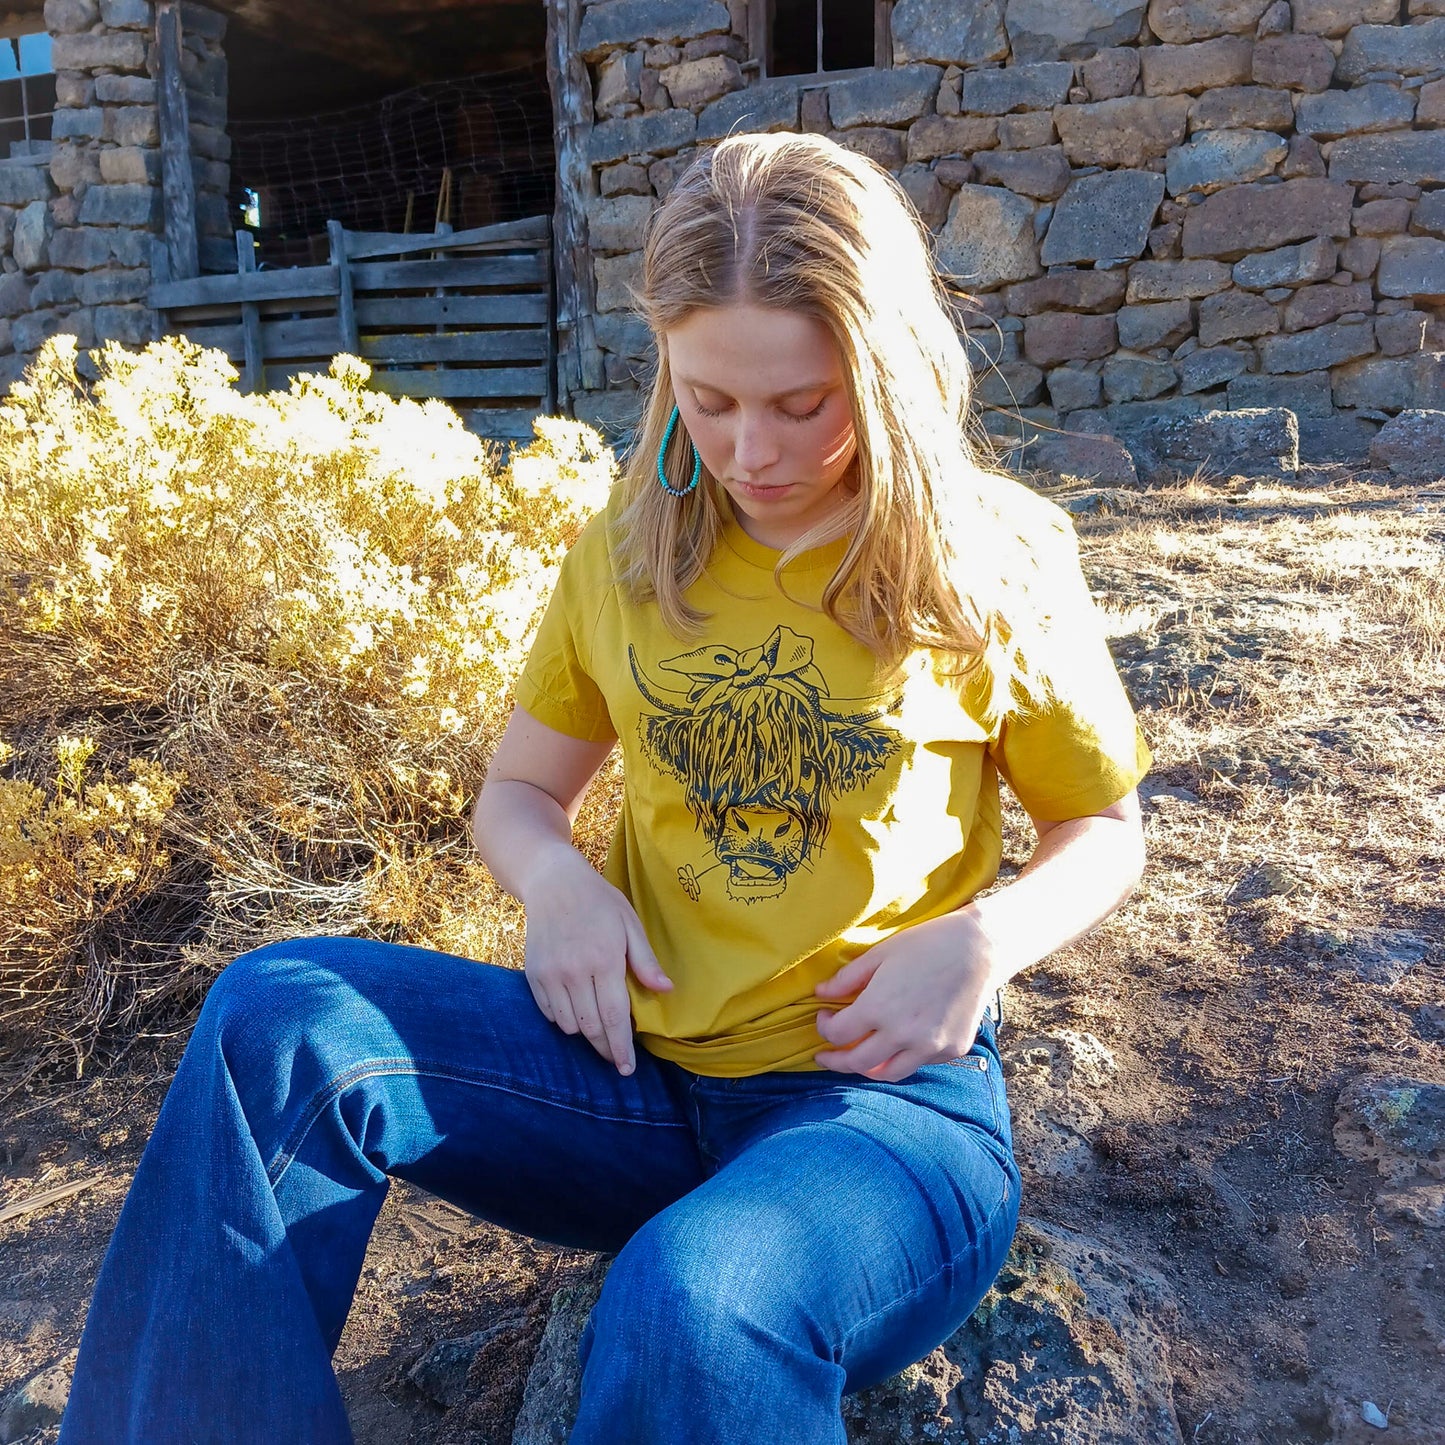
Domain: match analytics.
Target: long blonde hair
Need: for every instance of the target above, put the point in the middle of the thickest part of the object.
(797, 223)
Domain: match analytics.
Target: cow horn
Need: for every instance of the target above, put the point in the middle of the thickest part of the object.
(857, 710)
(660, 697)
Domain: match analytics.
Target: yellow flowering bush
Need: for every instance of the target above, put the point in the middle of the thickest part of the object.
(291, 621)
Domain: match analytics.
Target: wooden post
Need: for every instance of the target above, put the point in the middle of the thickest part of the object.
(178, 181)
(579, 359)
(253, 379)
(346, 297)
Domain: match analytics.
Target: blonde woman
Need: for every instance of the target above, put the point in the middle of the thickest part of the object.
(756, 1055)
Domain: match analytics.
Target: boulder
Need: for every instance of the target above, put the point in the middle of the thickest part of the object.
(1097, 291)
(1176, 22)
(1070, 29)
(1092, 1326)
(1412, 445)
(1130, 131)
(35, 1403)
(988, 238)
(1043, 173)
(1414, 157)
(884, 97)
(1305, 396)
(1287, 265)
(1176, 69)
(1403, 49)
(1262, 442)
(1319, 348)
(615, 23)
(1294, 62)
(964, 32)
(1412, 266)
(1394, 1122)
(1339, 17)
(1175, 280)
(1242, 107)
(1345, 112)
(1103, 217)
(1223, 158)
(1259, 217)
(1231, 315)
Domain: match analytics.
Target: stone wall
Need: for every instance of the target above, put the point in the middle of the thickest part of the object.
(77, 225)
(1171, 207)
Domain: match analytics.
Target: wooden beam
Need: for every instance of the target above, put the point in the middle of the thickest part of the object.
(291, 284)
(178, 181)
(254, 376)
(346, 305)
(579, 359)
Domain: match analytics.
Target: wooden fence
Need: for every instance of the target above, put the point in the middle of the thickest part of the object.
(468, 316)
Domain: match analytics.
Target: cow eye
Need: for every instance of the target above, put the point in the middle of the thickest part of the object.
(743, 824)
(780, 830)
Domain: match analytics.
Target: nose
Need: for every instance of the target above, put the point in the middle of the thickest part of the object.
(755, 446)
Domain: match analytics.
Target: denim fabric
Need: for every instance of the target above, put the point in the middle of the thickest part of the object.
(780, 1239)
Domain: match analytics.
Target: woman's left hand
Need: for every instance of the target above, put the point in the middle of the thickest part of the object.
(917, 998)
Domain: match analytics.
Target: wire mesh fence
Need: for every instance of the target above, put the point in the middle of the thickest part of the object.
(466, 152)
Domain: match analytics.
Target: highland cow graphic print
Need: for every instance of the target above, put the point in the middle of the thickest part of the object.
(762, 750)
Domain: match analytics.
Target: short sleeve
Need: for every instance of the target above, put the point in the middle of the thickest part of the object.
(1084, 749)
(556, 684)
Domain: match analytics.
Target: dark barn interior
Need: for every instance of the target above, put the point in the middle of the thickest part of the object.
(385, 115)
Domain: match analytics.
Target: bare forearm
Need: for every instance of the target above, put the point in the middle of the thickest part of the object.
(1078, 875)
(522, 834)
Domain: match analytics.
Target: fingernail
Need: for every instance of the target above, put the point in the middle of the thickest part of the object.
(625, 1069)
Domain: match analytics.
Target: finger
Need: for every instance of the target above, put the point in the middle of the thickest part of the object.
(588, 1014)
(846, 1026)
(641, 959)
(873, 1052)
(615, 1010)
(562, 1013)
(851, 978)
(540, 995)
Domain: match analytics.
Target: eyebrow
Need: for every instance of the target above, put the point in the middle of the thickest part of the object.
(791, 391)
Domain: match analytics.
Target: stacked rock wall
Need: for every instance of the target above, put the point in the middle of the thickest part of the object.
(77, 225)
(1171, 207)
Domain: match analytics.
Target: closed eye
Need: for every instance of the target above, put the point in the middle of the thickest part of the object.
(790, 415)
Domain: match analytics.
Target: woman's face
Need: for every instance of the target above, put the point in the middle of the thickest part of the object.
(762, 395)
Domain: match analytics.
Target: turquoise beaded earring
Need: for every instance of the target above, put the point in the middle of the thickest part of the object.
(662, 453)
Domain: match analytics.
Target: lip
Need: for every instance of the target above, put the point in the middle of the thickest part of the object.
(764, 493)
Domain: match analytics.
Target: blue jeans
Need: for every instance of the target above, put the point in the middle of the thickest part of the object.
(780, 1239)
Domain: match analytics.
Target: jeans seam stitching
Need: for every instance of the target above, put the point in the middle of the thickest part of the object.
(286, 1152)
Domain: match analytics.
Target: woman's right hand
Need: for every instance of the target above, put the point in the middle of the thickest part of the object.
(582, 937)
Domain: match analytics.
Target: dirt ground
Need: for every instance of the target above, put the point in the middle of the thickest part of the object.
(1285, 647)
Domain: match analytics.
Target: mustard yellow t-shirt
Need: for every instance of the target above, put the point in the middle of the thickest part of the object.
(789, 802)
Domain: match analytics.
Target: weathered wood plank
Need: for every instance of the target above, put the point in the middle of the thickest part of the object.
(419, 311)
(456, 346)
(298, 284)
(476, 381)
(361, 245)
(346, 305)
(504, 423)
(528, 270)
(253, 377)
(178, 181)
(580, 359)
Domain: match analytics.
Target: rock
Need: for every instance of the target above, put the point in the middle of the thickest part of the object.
(1051, 1074)
(1176, 22)
(1136, 378)
(1345, 112)
(1178, 69)
(1275, 21)
(964, 32)
(1223, 157)
(618, 278)
(1111, 73)
(35, 1403)
(615, 23)
(71, 17)
(1412, 266)
(619, 224)
(1258, 217)
(696, 82)
(988, 238)
(1402, 334)
(1360, 255)
(1382, 218)
(1070, 29)
(1431, 110)
(1338, 17)
(1403, 49)
(1321, 347)
(1296, 62)
(1093, 1326)
(662, 132)
(1287, 266)
(441, 1373)
(1394, 1122)
(1163, 323)
(30, 244)
(22, 184)
(1094, 458)
(1417, 157)
(1339, 439)
(884, 97)
(1017, 87)
(767, 108)
(1318, 305)
(879, 143)
(1378, 955)
(1429, 380)
(1305, 396)
(1230, 315)
(1026, 129)
(1064, 336)
(1130, 131)
(1176, 280)
(1429, 215)
(1372, 1414)
(1010, 384)
(1096, 291)
(1242, 107)
(1267, 880)
(1304, 159)
(1263, 442)
(1043, 173)
(947, 135)
(1106, 216)
(1071, 387)
(1210, 367)
(1412, 445)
